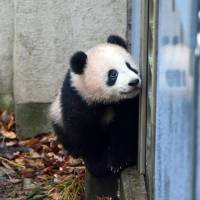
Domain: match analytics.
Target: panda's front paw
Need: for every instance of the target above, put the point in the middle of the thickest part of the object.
(115, 169)
(117, 166)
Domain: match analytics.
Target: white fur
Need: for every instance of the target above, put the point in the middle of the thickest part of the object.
(56, 111)
(92, 84)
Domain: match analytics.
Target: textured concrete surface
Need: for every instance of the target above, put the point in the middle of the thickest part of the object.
(6, 102)
(132, 185)
(32, 119)
(49, 31)
(6, 51)
(6, 45)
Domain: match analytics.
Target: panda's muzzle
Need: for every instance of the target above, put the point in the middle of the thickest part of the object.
(134, 82)
(135, 85)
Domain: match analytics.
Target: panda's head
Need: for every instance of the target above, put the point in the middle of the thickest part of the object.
(105, 73)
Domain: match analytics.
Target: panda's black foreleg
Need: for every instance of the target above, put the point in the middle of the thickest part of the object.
(72, 143)
(96, 156)
(123, 148)
(61, 135)
(97, 166)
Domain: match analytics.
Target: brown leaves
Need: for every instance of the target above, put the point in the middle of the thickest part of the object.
(46, 157)
(39, 159)
(7, 121)
(8, 134)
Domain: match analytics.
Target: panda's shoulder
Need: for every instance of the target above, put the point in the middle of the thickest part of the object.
(69, 95)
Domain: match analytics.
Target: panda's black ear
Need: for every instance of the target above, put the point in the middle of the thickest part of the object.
(78, 62)
(115, 39)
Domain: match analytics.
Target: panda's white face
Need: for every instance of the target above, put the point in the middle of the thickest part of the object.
(110, 75)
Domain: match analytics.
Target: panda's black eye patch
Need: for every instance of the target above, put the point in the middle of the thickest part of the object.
(132, 69)
(112, 77)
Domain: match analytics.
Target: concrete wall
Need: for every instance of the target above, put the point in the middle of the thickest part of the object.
(6, 53)
(45, 35)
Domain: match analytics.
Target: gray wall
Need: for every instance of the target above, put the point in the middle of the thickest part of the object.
(37, 38)
(6, 53)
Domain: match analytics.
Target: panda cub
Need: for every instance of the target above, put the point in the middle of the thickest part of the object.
(95, 114)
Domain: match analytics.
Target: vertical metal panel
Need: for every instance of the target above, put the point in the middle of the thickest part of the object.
(135, 47)
(197, 192)
(197, 168)
(174, 112)
(139, 51)
(151, 83)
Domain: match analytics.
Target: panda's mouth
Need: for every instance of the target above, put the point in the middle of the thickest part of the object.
(129, 92)
(136, 89)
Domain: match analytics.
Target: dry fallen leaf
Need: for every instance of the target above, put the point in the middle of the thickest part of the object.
(14, 180)
(5, 117)
(74, 162)
(6, 125)
(11, 143)
(20, 161)
(8, 134)
(34, 154)
(29, 142)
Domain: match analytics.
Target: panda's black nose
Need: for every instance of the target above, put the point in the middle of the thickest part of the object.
(134, 82)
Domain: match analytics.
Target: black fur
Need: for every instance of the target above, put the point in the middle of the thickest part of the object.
(115, 39)
(106, 149)
(112, 77)
(131, 68)
(78, 62)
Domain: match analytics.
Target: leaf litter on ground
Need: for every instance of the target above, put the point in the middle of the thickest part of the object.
(38, 167)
